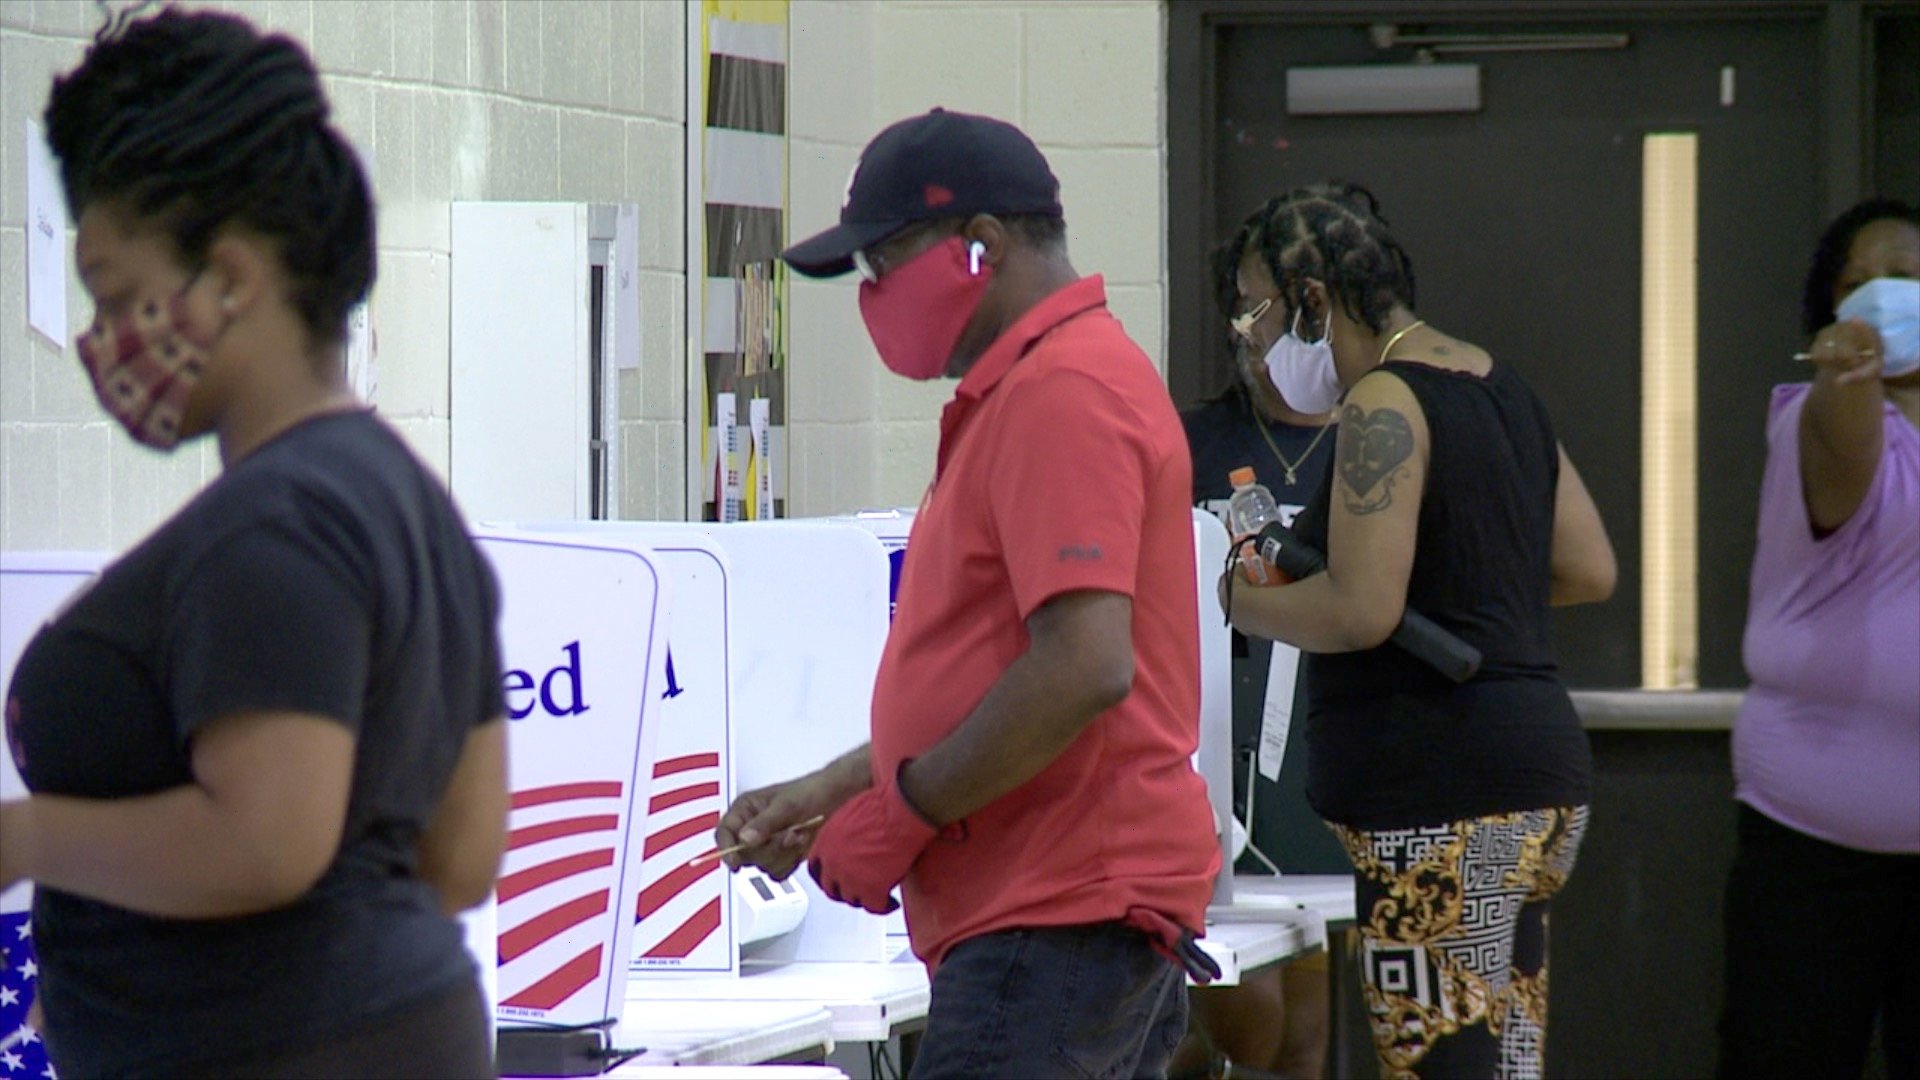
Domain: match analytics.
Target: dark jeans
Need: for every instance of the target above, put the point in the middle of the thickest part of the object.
(1820, 939)
(1055, 1001)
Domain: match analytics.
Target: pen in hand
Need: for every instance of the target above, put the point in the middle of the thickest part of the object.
(711, 856)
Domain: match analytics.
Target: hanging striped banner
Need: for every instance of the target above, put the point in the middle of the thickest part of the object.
(744, 194)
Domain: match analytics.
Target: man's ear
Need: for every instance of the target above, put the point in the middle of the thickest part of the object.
(989, 232)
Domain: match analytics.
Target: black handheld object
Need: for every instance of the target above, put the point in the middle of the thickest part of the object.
(1427, 640)
(1177, 944)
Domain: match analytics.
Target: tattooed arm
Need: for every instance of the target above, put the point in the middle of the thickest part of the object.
(1381, 470)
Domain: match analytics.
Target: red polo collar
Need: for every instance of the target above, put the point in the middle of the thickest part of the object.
(1078, 298)
(1083, 295)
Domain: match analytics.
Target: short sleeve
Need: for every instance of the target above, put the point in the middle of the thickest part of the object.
(490, 688)
(1788, 554)
(1070, 489)
(267, 621)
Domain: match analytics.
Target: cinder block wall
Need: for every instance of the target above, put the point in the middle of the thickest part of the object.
(1084, 79)
(451, 99)
(585, 100)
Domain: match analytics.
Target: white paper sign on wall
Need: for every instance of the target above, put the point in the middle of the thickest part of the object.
(46, 227)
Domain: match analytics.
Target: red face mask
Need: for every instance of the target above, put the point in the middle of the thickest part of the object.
(916, 312)
(144, 368)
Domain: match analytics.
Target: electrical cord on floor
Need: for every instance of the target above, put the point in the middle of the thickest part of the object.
(880, 1063)
(616, 1056)
(591, 1025)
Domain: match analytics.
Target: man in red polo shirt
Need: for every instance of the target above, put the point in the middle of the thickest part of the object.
(1029, 784)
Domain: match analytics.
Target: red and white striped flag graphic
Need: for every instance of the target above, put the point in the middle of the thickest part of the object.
(556, 892)
(681, 906)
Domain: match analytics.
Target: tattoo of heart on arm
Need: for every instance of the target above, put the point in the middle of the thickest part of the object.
(1374, 448)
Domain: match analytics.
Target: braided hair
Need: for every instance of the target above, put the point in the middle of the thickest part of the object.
(196, 121)
(1830, 258)
(1331, 232)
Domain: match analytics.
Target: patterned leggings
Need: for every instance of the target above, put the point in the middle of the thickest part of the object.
(1453, 929)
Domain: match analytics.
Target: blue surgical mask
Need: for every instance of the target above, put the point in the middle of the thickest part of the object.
(1892, 307)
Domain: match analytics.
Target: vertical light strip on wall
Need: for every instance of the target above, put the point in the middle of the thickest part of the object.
(1669, 612)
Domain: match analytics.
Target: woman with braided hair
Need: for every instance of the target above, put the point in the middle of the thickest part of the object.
(1461, 804)
(264, 751)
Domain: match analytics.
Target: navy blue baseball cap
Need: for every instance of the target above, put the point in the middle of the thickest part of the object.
(939, 165)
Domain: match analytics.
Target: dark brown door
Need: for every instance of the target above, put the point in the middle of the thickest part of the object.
(1523, 222)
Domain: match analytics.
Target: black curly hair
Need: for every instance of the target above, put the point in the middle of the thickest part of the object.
(1332, 232)
(195, 121)
(1830, 258)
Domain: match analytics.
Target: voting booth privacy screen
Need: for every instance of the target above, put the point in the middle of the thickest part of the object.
(34, 587)
(652, 671)
(800, 611)
(582, 629)
(684, 915)
(1214, 758)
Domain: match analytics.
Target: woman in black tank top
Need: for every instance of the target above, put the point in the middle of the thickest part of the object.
(1461, 805)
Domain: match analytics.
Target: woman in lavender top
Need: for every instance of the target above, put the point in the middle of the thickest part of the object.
(1823, 901)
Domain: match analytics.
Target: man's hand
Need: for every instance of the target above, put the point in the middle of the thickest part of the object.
(764, 824)
(774, 825)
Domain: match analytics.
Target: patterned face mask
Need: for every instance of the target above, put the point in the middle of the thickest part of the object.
(144, 368)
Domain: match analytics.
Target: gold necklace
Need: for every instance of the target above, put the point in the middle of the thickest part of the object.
(1261, 423)
(1395, 339)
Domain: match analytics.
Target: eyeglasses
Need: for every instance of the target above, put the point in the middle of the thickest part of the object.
(1243, 323)
(875, 262)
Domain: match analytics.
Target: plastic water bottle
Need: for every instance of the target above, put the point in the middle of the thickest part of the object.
(1250, 509)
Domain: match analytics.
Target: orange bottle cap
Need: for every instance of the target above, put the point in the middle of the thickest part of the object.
(1241, 477)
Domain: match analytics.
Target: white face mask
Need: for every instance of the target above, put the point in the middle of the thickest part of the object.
(1892, 307)
(1303, 371)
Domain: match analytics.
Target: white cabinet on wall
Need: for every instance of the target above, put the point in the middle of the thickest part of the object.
(544, 311)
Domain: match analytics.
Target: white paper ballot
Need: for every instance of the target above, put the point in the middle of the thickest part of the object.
(1276, 715)
(46, 243)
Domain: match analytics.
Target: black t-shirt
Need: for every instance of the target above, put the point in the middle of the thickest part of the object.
(1391, 743)
(1223, 435)
(326, 573)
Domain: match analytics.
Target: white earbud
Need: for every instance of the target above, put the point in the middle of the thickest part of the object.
(974, 251)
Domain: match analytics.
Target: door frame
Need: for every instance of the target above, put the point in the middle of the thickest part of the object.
(1194, 29)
